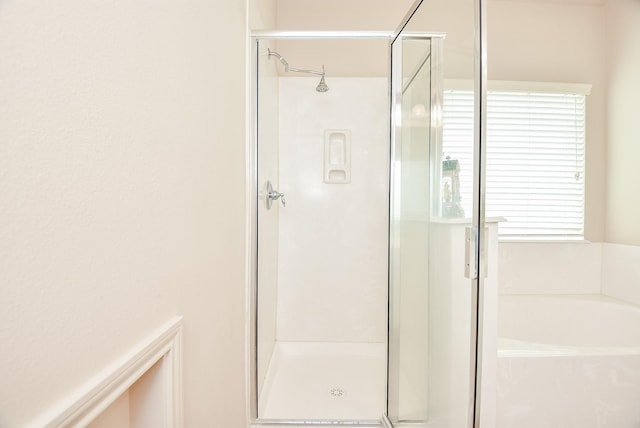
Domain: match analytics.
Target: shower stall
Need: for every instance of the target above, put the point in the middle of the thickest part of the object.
(366, 283)
(322, 226)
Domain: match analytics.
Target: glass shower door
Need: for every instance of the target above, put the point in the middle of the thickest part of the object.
(409, 240)
(434, 244)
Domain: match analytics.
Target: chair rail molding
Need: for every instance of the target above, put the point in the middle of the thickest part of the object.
(97, 394)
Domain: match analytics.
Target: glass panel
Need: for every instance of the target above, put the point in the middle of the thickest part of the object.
(268, 218)
(410, 217)
(433, 301)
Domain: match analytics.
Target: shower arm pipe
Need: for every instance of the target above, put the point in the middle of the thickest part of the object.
(287, 68)
(299, 70)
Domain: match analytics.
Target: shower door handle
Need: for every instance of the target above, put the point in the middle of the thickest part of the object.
(272, 195)
(474, 262)
(470, 235)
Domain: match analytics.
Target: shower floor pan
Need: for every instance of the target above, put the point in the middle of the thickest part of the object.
(325, 381)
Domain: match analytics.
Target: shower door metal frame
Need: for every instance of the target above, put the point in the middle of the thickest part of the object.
(478, 229)
(436, 85)
(478, 219)
(252, 220)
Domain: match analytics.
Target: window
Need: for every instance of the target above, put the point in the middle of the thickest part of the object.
(535, 159)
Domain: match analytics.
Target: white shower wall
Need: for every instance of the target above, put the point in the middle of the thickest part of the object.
(332, 245)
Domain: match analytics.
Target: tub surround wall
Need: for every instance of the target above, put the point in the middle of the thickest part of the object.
(332, 238)
(621, 272)
(570, 268)
(550, 268)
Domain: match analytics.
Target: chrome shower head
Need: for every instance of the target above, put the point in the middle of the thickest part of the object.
(322, 86)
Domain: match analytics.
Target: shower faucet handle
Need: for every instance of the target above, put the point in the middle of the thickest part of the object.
(272, 195)
(275, 195)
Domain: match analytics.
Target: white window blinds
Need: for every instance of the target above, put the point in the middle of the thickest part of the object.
(535, 159)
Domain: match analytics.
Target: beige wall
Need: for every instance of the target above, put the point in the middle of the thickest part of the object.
(623, 113)
(122, 194)
(338, 55)
(262, 14)
(341, 15)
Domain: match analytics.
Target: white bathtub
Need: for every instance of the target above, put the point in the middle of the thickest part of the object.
(568, 361)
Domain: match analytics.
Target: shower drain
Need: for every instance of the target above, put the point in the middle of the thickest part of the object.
(336, 392)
